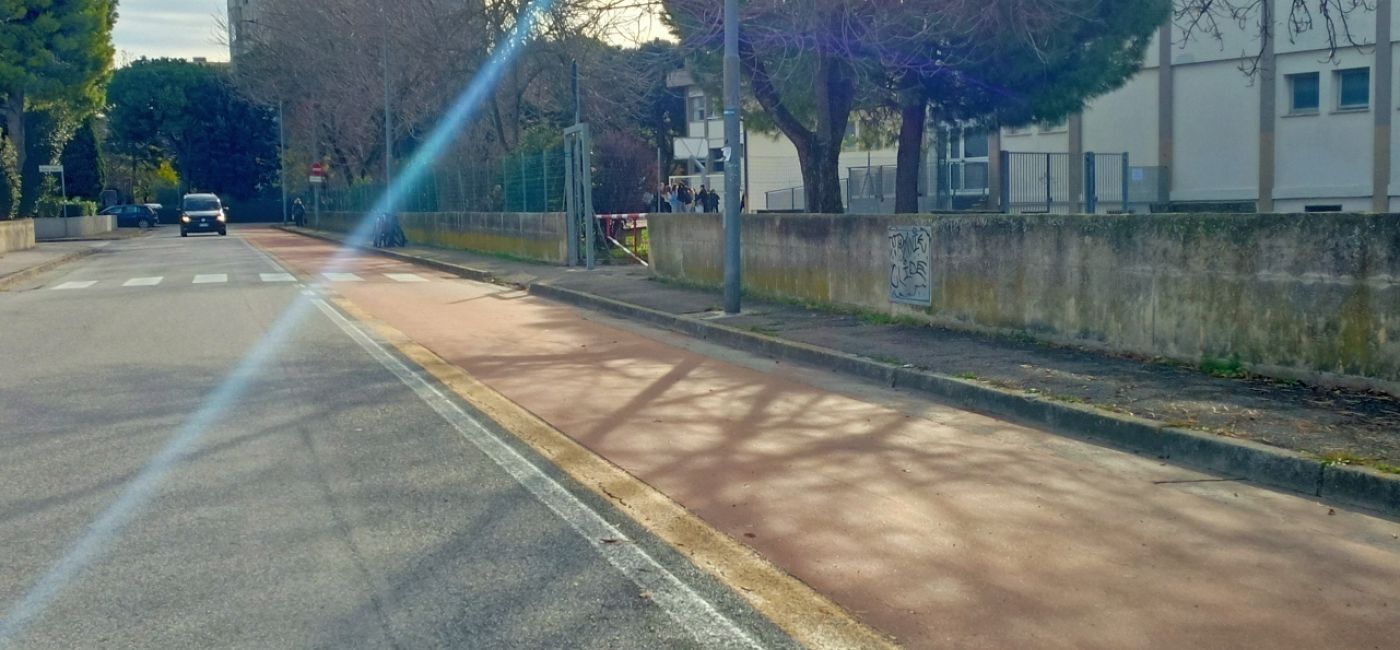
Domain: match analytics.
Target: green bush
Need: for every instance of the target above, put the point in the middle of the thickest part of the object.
(51, 206)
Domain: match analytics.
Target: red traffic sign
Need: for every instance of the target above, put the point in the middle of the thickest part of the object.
(317, 169)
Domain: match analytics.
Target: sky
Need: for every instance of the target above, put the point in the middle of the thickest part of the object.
(189, 28)
(170, 28)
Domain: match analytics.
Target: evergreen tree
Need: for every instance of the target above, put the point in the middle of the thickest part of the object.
(83, 163)
(52, 55)
(9, 180)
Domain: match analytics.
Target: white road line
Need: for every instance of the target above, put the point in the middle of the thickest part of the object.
(211, 278)
(712, 628)
(343, 277)
(277, 277)
(83, 284)
(405, 277)
(143, 282)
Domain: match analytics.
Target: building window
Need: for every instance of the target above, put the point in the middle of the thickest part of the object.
(699, 110)
(975, 144)
(1354, 89)
(975, 176)
(955, 145)
(1054, 127)
(1303, 93)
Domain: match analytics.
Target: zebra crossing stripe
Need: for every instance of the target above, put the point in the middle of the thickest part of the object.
(143, 282)
(343, 277)
(405, 277)
(211, 278)
(83, 284)
(277, 277)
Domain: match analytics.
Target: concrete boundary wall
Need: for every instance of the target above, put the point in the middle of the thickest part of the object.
(1303, 296)
(533, 236)
(16, 235)
(64, 228)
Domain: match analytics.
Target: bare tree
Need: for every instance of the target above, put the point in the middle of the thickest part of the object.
(1214, 18)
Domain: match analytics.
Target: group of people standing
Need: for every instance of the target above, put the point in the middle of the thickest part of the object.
(680, 198)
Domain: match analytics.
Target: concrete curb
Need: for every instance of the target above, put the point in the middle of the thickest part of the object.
(18, 277)
(1350, 486)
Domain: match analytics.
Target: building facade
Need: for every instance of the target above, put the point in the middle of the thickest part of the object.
(243, 22)
(1305, 132)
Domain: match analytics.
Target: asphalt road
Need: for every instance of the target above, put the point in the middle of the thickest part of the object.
(184, 465)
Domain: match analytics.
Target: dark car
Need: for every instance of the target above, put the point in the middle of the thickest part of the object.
(202, 213)
(137, 216)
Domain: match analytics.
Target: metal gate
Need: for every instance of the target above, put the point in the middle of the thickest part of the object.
(1056, 182)
(581, 226)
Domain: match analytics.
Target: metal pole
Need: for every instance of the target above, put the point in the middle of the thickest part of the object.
(571, 201)
(316, 158)
(388, 132)
(659, 180)
(282, 152)
(744, 185)
(544, 175)
(1091, 189)
(590, 221)
(732, 279)
(1127, 170)
(524, 190)
(578, 100)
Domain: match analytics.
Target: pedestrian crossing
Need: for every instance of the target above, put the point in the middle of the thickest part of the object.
(226, 279)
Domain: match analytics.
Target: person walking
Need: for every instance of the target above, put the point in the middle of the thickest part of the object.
(712, 201)
(673, 197)
(298, 213)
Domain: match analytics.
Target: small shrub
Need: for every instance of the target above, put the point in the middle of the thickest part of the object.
(50, 207)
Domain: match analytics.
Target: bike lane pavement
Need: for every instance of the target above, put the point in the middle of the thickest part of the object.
(937, 526)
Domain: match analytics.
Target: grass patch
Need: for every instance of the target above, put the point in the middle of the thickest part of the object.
(888, 360)
(968, 376)
(1339, 458)
(765, 331)
(1224, 368)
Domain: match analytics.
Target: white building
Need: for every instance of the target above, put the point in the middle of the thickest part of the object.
(243, 18)
(1304, 133)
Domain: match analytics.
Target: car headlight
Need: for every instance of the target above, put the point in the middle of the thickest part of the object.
(221, 217)
(185, 218)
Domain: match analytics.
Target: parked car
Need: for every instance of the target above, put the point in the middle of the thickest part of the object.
(202, 213)
(129, 216)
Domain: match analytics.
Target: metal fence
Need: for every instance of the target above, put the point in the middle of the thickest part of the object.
(524, 182)
(1059, 182)
(792, 198)
(871, 189)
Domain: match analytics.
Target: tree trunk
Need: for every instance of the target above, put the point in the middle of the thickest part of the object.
(819, 149)
(821, 176)
(913, 119)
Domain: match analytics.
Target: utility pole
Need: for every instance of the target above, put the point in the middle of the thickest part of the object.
(732, 158)
(315, 158)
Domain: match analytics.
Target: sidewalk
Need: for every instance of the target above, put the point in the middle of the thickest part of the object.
(16, 266)
(1341, 427)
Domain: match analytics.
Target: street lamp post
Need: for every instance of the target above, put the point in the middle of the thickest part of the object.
(732, 158)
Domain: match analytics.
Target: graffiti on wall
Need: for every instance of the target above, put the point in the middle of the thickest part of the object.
(911, 256)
